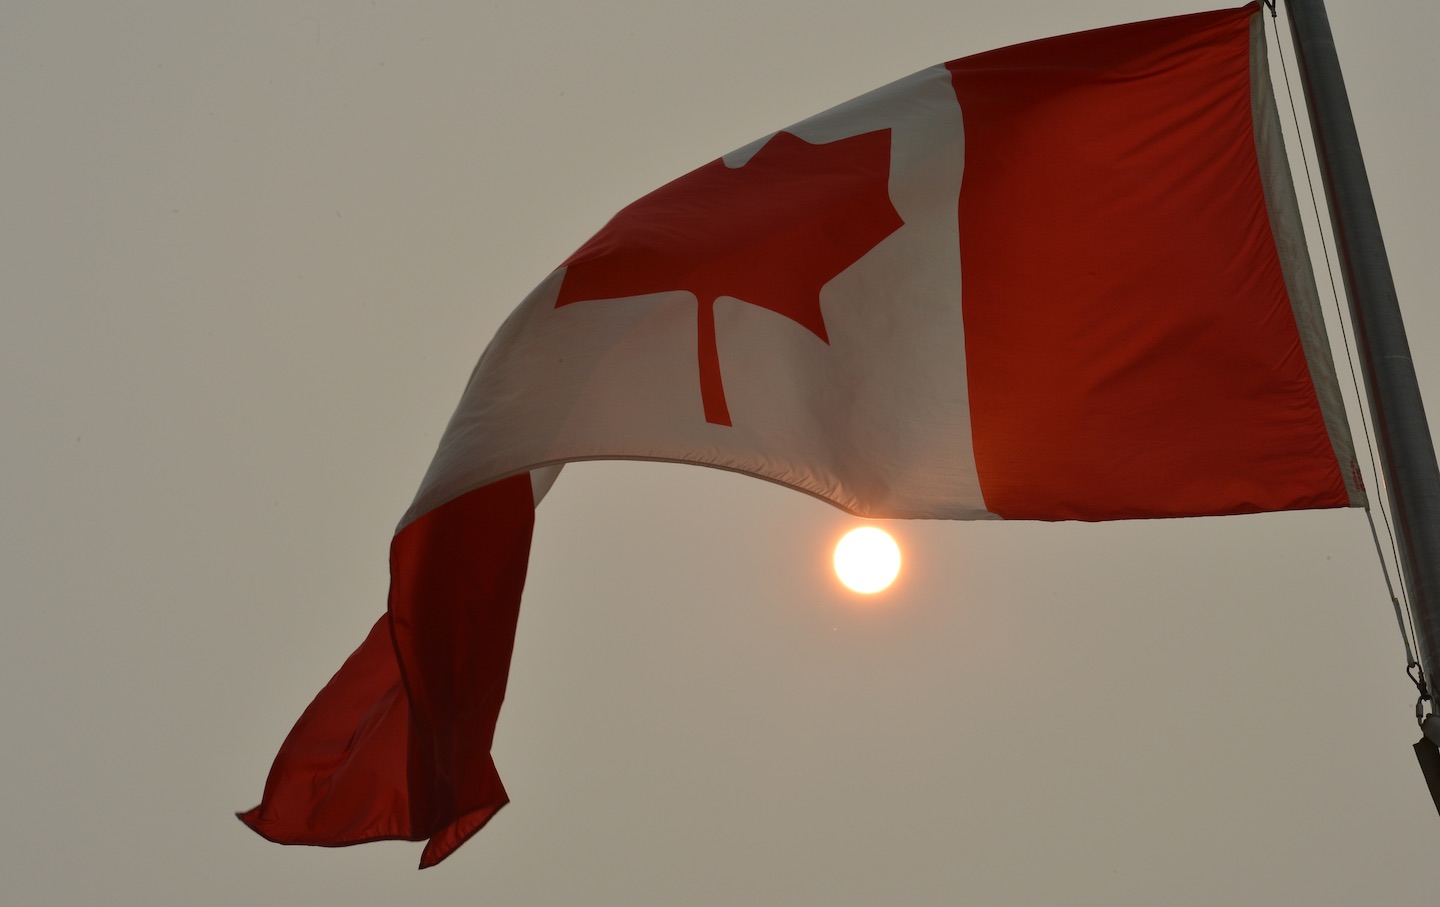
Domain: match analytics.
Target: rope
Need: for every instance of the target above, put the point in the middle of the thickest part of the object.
(1403, 612)
(1410, 661)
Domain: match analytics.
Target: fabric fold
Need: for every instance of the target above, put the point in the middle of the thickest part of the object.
(397, 744)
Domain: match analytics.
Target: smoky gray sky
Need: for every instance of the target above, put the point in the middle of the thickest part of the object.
(250, 254)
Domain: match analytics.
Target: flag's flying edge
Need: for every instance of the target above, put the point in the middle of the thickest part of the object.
(397, 744)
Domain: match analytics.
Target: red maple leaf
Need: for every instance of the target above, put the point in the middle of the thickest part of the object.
(770, 233)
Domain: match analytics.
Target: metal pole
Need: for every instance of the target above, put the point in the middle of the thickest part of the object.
(1407, 454)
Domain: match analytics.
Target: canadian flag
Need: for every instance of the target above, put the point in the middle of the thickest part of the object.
(1061, 280)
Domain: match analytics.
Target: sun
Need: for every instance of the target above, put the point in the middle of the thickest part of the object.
(867, 559)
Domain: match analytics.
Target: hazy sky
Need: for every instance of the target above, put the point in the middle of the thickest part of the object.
(250, 253)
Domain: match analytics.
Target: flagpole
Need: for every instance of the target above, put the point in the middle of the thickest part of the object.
(1407, 454)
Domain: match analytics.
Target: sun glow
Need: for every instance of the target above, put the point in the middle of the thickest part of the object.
(867, 559)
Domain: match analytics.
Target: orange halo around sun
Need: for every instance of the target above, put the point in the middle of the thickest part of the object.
(867, 560)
